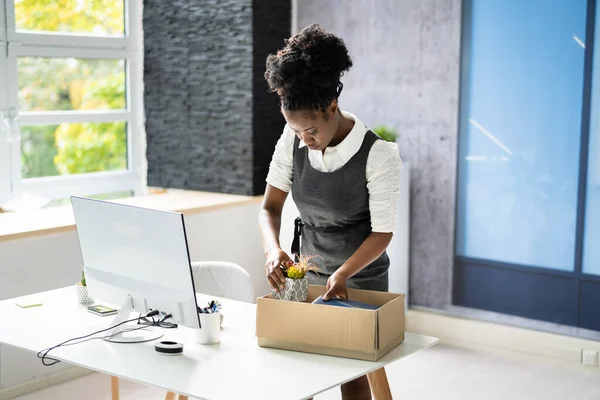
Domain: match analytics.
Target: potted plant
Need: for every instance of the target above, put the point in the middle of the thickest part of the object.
(82, 291)
(296, 282)
(386, 133)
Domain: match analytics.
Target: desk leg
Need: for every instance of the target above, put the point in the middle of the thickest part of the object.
(114, 388)
(182, 397)
(170, 396)
(380, 387)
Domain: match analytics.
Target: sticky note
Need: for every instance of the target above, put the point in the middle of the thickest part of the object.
(28, 305)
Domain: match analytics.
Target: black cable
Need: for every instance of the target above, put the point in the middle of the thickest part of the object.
(55, 361)
(104, 337)
(42, 354)
(161, 323)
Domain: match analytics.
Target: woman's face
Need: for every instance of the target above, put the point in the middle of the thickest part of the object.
(315, 128)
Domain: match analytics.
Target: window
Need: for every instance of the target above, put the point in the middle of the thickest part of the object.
(528, 206)
(70, 97)
(520, 132)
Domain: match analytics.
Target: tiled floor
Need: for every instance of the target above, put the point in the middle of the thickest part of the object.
(441, 372)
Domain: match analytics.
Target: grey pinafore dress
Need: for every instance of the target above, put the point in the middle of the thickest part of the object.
(334, 216)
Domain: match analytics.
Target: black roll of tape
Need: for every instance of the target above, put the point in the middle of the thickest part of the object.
(169, 348)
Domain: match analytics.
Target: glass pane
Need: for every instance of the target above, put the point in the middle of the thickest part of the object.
(591, 241)
(520, 127)
(91, 17)
(73, 149)
(53, 84)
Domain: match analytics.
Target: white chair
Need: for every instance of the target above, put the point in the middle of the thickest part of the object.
(223, 279)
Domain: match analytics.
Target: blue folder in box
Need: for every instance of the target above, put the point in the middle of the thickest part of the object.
(344, 303)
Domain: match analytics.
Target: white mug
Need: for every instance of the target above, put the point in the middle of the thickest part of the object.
(210, 331)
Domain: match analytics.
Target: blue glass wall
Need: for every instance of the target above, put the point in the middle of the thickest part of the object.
(520, 126)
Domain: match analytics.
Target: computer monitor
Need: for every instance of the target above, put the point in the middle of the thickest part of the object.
(136, 260)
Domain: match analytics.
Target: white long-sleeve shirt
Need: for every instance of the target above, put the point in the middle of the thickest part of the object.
(382, 170)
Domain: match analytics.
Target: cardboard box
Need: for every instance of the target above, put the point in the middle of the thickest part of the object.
(330, 330)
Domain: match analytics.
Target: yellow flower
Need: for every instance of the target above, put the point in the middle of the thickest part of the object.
(295, 273)
(298, 270)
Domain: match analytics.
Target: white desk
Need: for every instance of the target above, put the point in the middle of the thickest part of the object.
(234, 369)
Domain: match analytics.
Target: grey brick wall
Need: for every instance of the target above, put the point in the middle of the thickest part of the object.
(198, 78)
(210, 123)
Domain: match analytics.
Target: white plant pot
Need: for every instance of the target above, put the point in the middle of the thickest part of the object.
(295, 290)
(82, 294)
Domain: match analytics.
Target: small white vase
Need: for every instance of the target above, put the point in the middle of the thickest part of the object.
(82, 294)
(294, 290)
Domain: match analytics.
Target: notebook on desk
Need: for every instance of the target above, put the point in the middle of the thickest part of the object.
(344, 303)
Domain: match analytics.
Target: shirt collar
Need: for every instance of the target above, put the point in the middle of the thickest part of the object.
(351, 143)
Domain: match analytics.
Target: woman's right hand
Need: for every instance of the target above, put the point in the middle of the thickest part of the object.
(276, 259)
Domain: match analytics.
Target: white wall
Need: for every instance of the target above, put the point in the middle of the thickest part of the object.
(52, 261)
(29, 266)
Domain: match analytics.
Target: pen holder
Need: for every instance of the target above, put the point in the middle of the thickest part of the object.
(210, 331)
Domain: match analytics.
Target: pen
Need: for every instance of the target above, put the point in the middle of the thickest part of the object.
(213, 307)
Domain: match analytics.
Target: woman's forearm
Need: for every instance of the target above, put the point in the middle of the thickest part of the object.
(269, 218)
(269, 225)
(373, 246)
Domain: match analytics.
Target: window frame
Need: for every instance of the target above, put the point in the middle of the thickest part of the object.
(70, 39)
(5, 156)
(59, 45)
(5, 181)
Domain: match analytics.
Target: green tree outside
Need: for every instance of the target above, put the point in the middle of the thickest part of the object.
(101, 17)
(58, 84)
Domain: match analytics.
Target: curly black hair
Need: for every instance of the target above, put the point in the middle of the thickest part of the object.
(306, 72)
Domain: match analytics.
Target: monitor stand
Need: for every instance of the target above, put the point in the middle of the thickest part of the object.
(131, 332)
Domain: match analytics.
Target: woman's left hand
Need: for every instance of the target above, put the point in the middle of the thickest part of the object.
(336, 287)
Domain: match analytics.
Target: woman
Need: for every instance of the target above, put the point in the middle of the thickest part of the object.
(344, 179)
